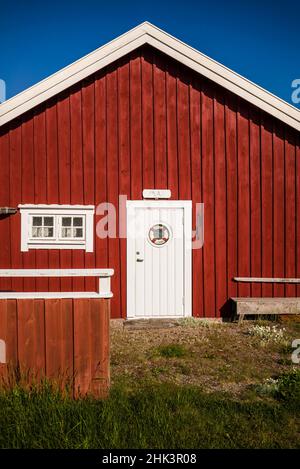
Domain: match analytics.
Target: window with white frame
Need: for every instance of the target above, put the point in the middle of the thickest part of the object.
(57, 227)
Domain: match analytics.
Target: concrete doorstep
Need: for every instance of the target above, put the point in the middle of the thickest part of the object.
(139, 324)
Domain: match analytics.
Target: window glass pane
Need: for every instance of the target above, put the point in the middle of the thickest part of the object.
(66, 232)
(159, 234)
(37, 232)
(77, 221)
(66, 221)
(37, 221)
(48, 221)
(48, 232)
(78, 232)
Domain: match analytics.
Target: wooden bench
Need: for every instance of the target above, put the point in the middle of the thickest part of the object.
(104, 290)
(265, 306)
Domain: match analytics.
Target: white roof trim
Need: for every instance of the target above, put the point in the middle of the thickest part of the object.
(146, 33)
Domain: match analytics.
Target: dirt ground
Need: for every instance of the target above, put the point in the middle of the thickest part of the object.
(218, 357)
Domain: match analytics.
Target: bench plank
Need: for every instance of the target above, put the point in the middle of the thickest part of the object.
(266, 280)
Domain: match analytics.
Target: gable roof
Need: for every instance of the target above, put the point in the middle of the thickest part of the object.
(146, 33)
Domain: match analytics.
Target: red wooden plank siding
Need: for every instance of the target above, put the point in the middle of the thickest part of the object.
(59, 340)
(195, 120)
(159, 111)
(88, 136)
(278, 201)
(231, 184)
(298, 211)
(243, 197)
(76, 181)
(40, 188)
(15, 183)
(220, 201)
(113, 181)
(64, 174)
(101, 244)
(290, 211)
(63, 339)
(183, 138)
(208, 200)
(31, 337)
(147, 121)
(255, 201)
(8, 328)
(136, 128)
(136, 141)
(52, 181)
(4, 196)
(172, 134)
(124, 164)
(267, 203)
(82, 352)
(77, 186)
(91, 356)
(99, 349)
(27, 185)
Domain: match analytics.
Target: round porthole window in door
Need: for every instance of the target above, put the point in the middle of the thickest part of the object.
(159, 234)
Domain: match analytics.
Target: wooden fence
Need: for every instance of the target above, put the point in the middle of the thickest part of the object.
(63, 339)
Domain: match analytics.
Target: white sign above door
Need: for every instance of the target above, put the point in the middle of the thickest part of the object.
(156, 193)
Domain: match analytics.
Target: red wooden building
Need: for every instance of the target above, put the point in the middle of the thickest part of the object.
(147, 112)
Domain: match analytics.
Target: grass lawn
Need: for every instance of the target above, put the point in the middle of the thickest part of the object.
(197, 385)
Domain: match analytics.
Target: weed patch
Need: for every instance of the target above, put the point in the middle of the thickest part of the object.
(171, 351)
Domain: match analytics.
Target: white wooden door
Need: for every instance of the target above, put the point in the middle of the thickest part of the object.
(157, 280)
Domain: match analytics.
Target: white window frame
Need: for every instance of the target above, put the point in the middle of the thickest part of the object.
(57, 211)
(60, 227)
(35, 238)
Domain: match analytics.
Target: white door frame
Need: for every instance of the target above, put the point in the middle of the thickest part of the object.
(186, 205)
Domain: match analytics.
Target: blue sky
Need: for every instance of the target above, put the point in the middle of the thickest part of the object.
(258, 39)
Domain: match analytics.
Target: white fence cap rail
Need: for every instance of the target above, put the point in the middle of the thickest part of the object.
(103, 275)
(56, 272)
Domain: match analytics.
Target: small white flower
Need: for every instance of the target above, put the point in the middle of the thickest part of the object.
(268, 333)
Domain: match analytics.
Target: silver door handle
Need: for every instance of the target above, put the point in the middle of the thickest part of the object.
(140, 260)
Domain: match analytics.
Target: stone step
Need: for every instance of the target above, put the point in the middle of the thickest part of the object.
(138, 324)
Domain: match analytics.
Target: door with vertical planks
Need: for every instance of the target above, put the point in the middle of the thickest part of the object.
(158, 267)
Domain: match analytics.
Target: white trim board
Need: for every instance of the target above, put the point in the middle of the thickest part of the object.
(147, 33)
(57, 207)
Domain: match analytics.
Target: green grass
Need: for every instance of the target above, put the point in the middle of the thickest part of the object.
(289, 386)
(150, 416)
(171, 351)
